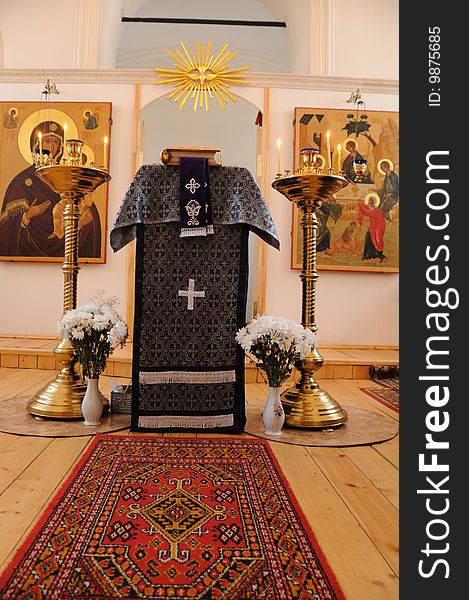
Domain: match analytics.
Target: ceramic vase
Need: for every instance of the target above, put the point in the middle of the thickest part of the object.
(92, 405)
(273, 415)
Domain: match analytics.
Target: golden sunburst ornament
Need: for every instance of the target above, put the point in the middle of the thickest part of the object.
(202, 77)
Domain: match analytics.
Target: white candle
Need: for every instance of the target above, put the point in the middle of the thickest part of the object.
(339, 158)
(105, 151)
(279, 143)
(328, 146)
(39, 135)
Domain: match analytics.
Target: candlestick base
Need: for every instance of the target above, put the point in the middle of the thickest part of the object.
(313, 409)
(306, 405)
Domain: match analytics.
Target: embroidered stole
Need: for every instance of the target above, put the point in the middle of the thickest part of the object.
(195, 204)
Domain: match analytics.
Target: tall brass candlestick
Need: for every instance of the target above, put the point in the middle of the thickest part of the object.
(61, 398)
(305, 404)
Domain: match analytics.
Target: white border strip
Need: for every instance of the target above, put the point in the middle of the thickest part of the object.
(156, 377)
(168, 421)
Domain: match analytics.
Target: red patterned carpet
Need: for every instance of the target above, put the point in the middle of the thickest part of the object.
(150, 517)
(389, 396)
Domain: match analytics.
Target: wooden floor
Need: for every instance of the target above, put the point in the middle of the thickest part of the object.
(349, 495)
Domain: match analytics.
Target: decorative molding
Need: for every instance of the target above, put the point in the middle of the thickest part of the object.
(159, 57)
(147, 76)
(321, 31)
(86, 54)
(330, 48)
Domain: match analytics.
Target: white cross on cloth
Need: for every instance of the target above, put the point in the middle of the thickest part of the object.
(192, 186)
(190, 294)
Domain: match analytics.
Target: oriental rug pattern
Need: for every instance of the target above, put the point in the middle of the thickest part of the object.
(172, 518)
(389, 396)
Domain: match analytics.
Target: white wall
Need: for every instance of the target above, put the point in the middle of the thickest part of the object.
(365, 38)
(39, 35)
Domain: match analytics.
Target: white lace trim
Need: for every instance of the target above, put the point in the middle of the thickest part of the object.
(155, 377)
(193, 231)
(205, 422)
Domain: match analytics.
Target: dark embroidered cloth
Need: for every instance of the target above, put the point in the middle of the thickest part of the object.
(195, 205)
(190, 299)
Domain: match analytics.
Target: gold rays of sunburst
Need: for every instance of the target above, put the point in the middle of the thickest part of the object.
(202, 76)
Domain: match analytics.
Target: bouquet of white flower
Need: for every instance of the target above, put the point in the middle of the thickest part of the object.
(94, 329)
(276, 343)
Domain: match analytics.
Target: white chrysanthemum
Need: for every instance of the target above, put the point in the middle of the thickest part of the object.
(94, 329)
(77, 334)
(100, 322)
(118, 333)
(277, 343)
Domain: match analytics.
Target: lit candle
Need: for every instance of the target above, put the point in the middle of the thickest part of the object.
(105, 151)
(39, 135)
(65, 140)
(328, 146)
(339, 158)
(279, 143)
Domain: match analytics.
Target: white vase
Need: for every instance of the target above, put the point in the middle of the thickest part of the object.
(273, 415)
(92, 405)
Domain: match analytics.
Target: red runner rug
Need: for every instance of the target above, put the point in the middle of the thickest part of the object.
(144, 517)
(389, 396)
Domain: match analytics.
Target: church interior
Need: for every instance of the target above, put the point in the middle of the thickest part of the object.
(256, 91)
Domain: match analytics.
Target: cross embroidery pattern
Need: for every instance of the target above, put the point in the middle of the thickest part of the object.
(190, 294)
(193, 186)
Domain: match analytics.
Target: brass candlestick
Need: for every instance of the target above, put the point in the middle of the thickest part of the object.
(305, 404)
(61, 398)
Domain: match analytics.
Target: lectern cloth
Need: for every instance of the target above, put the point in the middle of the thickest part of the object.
(190, 299)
